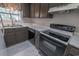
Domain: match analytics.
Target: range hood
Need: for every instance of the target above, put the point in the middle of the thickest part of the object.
(64, 7)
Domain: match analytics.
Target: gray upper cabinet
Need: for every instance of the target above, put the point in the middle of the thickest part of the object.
(26, 9)
(43, 10)
(36, 10)
(32, 10)
(39, 10)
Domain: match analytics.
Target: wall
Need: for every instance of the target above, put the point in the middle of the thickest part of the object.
(40, 21)
(27, 20)
(68, 18)
(2, 42)
(71, 18)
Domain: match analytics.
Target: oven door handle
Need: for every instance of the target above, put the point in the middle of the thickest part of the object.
(55, 39)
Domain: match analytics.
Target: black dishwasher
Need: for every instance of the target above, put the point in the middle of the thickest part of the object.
(31, 35)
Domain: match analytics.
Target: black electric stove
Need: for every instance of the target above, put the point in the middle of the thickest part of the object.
(68, 28)
(54, 43)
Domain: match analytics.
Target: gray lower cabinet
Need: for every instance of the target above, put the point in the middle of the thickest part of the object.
(71, 51)
(13, 36)
(9, 36)
(20, 34)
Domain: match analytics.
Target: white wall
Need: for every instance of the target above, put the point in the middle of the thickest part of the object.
(2, 42)
(63, 18)
(68, 19)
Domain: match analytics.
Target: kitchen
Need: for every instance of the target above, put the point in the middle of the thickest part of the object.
(39, 29)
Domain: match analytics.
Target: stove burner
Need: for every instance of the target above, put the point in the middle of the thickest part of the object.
(63, 27)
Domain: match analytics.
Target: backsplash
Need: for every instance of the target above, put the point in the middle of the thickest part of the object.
(64, 18)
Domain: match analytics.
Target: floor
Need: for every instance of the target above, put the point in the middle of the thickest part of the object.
(22, 49)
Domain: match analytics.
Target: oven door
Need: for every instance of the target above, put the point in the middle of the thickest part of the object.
(50, 48)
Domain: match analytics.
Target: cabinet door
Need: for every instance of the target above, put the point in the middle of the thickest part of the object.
(26, 10)
(37, 10)
(20, 35)
(32, 10)
(44, 10)
(9, 38)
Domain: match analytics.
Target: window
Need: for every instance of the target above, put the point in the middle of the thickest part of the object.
(16, 12)
(5, 16)
(8, 15)
(0, 22)
(2, 9)
(8, 11)
(15, 17)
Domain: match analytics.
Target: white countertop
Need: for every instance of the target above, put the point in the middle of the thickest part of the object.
(40, 28)
(35, 26)
(74, 41)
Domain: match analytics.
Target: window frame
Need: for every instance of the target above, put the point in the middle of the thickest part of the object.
(10, 13)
